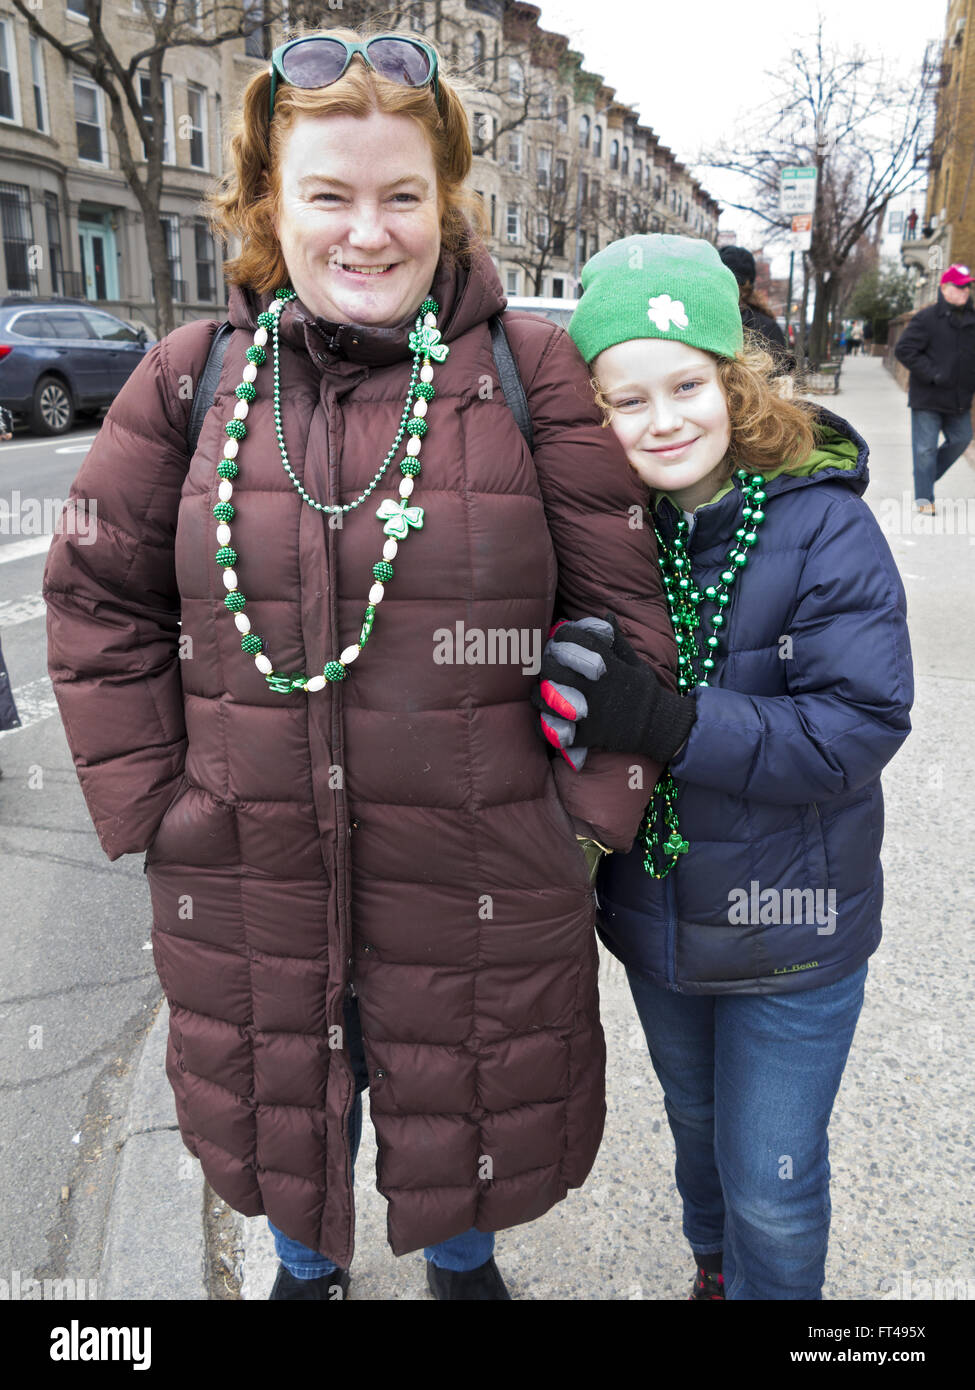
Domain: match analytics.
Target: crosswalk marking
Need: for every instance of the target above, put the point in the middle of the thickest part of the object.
(21, 550)
(21, 610)
(35, 701)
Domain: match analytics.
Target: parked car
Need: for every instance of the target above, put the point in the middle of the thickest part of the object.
(63, 359)
(558, 310)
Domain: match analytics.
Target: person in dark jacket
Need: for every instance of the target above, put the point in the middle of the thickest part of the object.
(9, 718)
(746, 918)
(938, 349)
(756, 316)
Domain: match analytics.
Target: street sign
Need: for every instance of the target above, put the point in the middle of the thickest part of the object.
(800, 238)
(798, 190)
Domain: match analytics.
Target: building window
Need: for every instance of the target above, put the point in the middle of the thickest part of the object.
(582, 246)
(516, 78)
(611, 204)
(543, 232)
(638, 173)
(78, 8)
(477, 51)
(89, 121)
(167, 150)
(55, 256)
(597, 141)
(558, 288)
(511, 281)
(513, 228)
(206, 267)
(9, 93)
(656, 187)
(39, 84)
(494, 213)
(614, 155)
(595, 195)
(583, 190)
(196, 98)
(514, 151)
(584, 125)
(646, 178)
(561, 173)
(478, 133)
(18, 237)
(558, 240)
(170, 224)
(562, 113)
(544, 166)
(626, 161)
(256, 43)
(545, 106)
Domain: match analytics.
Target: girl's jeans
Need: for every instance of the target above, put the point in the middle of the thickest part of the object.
(749, 1082)
(462, 1252)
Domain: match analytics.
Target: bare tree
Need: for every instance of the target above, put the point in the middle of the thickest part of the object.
(171, 24)
(863, 130)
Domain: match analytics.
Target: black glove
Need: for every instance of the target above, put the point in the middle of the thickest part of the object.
(602, 694)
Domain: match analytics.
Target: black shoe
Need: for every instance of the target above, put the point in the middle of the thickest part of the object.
(707, 1286)
(328, 1289)
(483, 1282)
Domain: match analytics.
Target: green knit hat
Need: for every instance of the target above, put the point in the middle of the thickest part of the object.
(674, 287)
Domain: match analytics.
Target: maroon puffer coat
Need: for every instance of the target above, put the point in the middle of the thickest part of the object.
(401, 830)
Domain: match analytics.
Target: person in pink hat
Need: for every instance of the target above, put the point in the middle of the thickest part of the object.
(938, 349)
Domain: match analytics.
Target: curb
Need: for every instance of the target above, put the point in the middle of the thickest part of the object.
(155, 1244)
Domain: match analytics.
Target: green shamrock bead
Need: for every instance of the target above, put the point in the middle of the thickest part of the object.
(759, 497)
(256, 354)
(410, 467)
(226, 556)
(718, 620)
(245, 391)
(723, 599)
(425, 389)
(266, 319)
(429, 306)
(383, 571)
(224, 511)
(334, 671)
(226, 468)
(746, 512)
(758, 479)
(279, 681)
(235, 601)
(285, 295)
(758, 517)
(727, 576)
(235, 428)
(741, 559)
(708, 664)
(251, 644)
(710, 592)
(712, 642)
(417, 426)
(749, 538)
(742, 473)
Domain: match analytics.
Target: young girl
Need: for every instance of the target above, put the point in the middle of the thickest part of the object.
(747, 910)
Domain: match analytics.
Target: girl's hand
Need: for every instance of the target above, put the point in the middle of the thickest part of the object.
(603, 696)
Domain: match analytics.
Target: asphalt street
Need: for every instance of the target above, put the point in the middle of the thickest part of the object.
(74, 933)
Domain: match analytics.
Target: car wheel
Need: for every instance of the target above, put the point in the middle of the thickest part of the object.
(52, 411)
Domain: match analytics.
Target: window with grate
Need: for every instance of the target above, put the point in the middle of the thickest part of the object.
(18, 238)
(206, 265)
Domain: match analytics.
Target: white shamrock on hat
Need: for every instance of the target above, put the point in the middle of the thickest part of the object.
(664, 311)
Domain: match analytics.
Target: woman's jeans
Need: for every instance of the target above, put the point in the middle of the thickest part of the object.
(749, 1082)
(462, 1252)
(930, 462)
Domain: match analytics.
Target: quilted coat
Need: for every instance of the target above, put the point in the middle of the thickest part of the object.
(779, 791)
(403, 834)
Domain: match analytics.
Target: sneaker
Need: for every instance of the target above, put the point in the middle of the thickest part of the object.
(707, 1285)
(330, 1288)
(485, 1282)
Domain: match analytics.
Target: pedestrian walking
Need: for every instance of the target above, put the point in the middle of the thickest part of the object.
(938, 349)
(912, 224)
(756, 315)
(746, 916)
(362, 873)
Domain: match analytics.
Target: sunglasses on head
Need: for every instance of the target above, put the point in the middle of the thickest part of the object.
(318, 62)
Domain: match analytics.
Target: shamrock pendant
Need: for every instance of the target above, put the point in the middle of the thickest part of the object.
(399, 518)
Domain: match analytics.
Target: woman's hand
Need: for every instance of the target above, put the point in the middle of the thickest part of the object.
(603, 696)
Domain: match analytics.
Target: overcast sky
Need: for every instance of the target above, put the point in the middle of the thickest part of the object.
(694, 68)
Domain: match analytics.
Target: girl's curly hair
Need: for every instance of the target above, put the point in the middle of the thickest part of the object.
(244, 201)
(767, 431)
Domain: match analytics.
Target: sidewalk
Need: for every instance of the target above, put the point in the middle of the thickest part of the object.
(903, 1196)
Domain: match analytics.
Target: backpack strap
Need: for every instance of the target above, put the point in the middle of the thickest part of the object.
(514, 391)
(209, 379)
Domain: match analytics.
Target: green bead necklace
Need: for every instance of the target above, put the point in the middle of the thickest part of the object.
(694, 663)
(399, 517)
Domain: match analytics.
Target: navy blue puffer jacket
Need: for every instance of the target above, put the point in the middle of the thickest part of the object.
(779, 781)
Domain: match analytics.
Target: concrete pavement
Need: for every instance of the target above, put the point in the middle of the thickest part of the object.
(901, 1145)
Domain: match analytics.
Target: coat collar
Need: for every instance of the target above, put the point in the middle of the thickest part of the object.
(467, 295)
